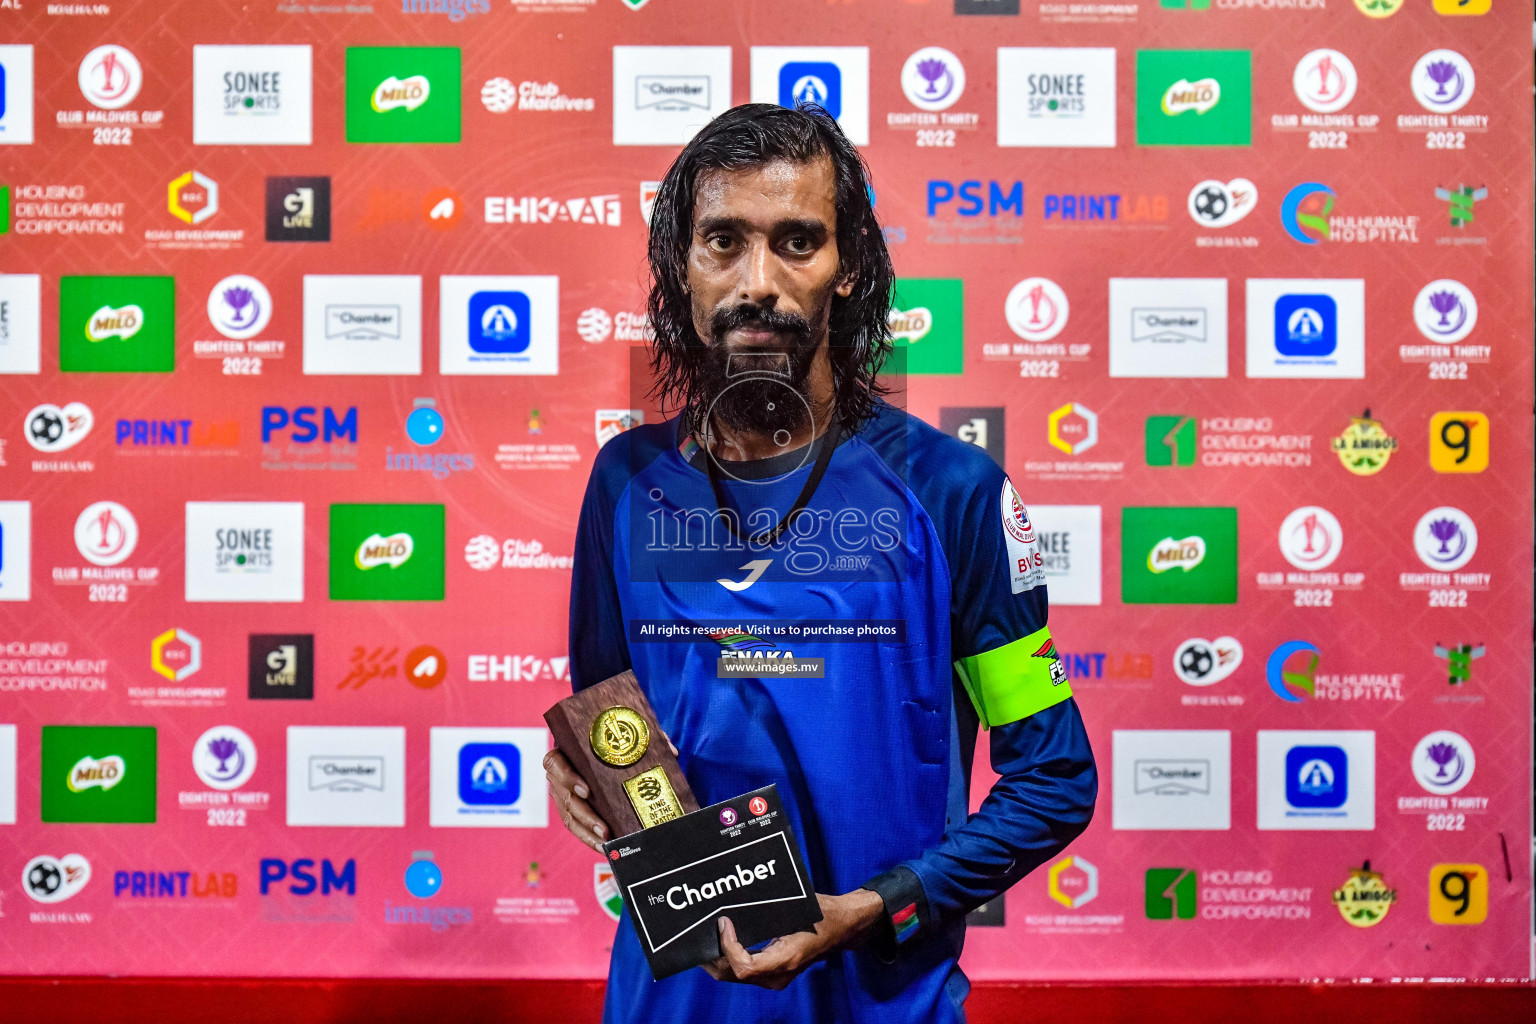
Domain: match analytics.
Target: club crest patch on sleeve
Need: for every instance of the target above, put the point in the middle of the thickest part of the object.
(1026, 566)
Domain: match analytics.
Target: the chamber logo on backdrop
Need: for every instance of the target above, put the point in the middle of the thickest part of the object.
(662, 95)
(834, 78)
(1167, 327)
(98, 773)
(362, 324)
(240, 551)
(1070, 539)
(117, 324)
(1178, 555)
(386, 552)
(251, 95)
(1306, 328)
(346, 776)
(1194, 98)
(1316, 780)
(1057, 97)
(15, 561)
(1172, 779)
(280, 666)
(488, 778)
(403, 93)
(927, 322)
(16, 124)
(298, 209)
(499, 325)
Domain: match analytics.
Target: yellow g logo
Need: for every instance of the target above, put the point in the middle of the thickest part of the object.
(1458, 894)
(1453, 7)
(1458, 442)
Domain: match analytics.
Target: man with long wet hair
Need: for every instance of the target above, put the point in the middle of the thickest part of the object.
(896, 566)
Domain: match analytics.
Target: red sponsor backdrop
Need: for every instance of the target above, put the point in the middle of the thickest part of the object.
(530, 891)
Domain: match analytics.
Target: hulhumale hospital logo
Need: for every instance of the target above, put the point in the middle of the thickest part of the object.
(1310, 225)
(1283, 681)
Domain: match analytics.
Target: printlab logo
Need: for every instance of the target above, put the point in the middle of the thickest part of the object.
(387, 552)
(1193, 98)
(1317, 780)
(927, 321)
(1311, 538)
(499, 325)
(1056, 97)
(488, 778)
(1217, 204)
(224, 757)
(110, 77)
(834, 78)
(1443, 81)
(1325, 81)
(239, 306)
(1171, 893)
(117, 324)
(298, 209)
(55, 879)
(96, 773)
(403, 93)
(1445, 538)
(1458, 442)
(51, 428)
(1443, 762)
(251, 95)
(662, 95)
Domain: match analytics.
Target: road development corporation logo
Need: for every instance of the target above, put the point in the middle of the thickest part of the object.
(1443, 81)
(1364, 899)
(110, 77)
(1073, 881)
(51, 428)
(55, 879)
(1443, 762)
(1201, 662)
(1316, 780)
(1325, 81)
(1311, 538)
(403, 93)
(224, 758)
(1217, 204)
(239, 306)
(1445, 311)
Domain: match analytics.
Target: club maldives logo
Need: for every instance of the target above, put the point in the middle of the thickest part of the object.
(393, 551)
(1443, 762)
(1443, 81)
(1325, 81)
(1364, 899)
(1282, 680)
(1364, 447)
(110, 77)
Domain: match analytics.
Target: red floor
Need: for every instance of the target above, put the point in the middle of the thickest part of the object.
(96, 1001)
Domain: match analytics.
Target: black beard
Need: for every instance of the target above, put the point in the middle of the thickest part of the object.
(759, 390)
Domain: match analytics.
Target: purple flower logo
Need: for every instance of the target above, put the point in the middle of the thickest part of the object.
(1446, 304)
(727, 816)
(225, 749)
(243, 307)
(1443, 73)
(933, 72)
(1448, 762)
(1443, 762)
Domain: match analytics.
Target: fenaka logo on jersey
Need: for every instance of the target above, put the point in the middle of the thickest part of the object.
(393, 551)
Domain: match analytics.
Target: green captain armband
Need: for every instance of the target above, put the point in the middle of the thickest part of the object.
(1015, 680)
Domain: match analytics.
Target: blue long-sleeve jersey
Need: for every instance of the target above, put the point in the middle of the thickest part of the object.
(915, 576)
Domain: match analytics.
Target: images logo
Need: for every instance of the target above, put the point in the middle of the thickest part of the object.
(1281, 680)
(1073, 881)
(1458, 893)
(1325, 81)
(1216, 204)
(94, 310)
(1364, 447)
(1193, 98)
(1365, 899)
(1445, 538)
(176, 654)
(927, 321)
(1199, 542)
(1443, 81)
(96, 773)
(106, 533)
(50, 428)
(408, 539)
(1073, 428)
(1443, 762)
(1458, 442)
(224, 758)
(1317, 199)
(239, 306)
(1036, 309)
(55, 879)
(1461, 199)
(403, 93)
(110, 77)
(1445, 311)
(1311, 538)
(1170, 893)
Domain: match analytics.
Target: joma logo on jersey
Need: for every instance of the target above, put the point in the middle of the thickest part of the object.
(96, 773)
(393, 551)
(1183, 554)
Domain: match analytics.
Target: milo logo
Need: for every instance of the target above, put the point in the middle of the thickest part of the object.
(401, 93)
(912, 324)
(394, 551)
(90, 772)
(123, 322)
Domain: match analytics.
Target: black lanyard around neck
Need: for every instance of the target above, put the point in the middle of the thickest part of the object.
(768, 538)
